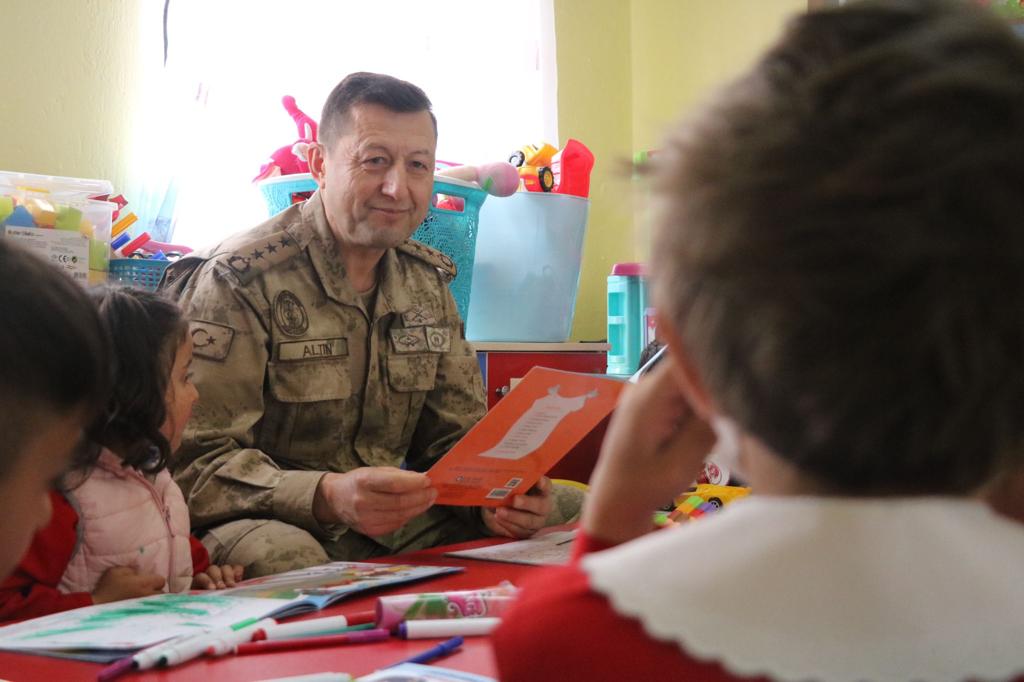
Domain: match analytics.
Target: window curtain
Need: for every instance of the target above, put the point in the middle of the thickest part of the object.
(210, 113)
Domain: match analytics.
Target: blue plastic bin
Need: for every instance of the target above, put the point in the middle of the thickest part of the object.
(527, 269)
(454, 233)
(278, 191)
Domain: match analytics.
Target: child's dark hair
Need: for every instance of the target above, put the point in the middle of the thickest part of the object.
(145, 330)
(840, 247)
(53, 350)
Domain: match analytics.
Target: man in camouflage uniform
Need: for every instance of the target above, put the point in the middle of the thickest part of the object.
(331, 364)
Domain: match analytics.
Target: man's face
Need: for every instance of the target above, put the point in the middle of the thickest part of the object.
(377, 179)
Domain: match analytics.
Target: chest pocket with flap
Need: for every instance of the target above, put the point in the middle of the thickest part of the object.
(310, 413)
(409, 373)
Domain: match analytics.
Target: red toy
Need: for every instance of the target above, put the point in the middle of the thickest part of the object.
(291, 158)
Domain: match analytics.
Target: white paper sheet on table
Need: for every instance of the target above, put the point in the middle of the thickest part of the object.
(544, 549)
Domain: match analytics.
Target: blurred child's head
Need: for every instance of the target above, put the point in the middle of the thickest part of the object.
(152, 392)
(53, 381)
(840, 248)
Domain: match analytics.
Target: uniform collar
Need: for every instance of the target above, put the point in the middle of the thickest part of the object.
(392, 294)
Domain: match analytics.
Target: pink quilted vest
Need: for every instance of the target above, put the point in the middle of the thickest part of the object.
(124, 519)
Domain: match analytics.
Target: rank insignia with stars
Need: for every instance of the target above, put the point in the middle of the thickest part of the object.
(418, 316)
(239, 264)
(210, 340)
(408, 339)
(289, 314)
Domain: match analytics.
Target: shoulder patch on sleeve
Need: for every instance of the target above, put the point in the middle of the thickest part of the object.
(251, 258)
(210, 340)
(439, 260)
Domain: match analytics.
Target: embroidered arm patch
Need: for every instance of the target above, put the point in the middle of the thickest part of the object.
(210, 340)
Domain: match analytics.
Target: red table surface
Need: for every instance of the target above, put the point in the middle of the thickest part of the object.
(359, 659)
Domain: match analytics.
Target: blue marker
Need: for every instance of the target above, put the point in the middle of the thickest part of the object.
(433, 653)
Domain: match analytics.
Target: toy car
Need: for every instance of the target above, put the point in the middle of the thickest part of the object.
(717, 495)
(537, 179)
(533, 155)
(534, 164)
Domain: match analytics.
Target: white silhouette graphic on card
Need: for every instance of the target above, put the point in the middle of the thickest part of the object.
(535, 425)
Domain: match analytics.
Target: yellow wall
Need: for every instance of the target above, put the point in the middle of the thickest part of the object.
(594, 106)
(70, 70)
(683, 49)
(626, 68)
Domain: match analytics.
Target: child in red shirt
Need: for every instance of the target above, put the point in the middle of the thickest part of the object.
(838, 268)
(52, 383)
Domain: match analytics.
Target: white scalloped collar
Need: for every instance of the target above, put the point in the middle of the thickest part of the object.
(834, 590)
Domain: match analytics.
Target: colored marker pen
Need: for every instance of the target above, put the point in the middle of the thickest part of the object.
(116, 669)
(433, 653)
(320, 626)
(467, 627)
(226, 642)
(314, 627)
(360, 637)
(195, 646)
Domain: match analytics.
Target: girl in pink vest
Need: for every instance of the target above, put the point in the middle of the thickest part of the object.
(120, 525)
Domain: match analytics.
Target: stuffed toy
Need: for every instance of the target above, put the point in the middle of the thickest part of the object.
(499, 179)
(291, 158)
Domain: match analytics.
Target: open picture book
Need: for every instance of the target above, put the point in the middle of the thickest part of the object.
(106, 632)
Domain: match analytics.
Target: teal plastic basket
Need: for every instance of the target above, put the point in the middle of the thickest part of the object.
(454, 234)
(140, 273)
(284, 190)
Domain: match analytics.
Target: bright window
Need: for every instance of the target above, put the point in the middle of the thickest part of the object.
(212, 116)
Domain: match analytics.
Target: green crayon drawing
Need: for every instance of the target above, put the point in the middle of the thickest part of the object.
(185, 606)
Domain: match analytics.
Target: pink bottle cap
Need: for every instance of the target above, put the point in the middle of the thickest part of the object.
(629, 269)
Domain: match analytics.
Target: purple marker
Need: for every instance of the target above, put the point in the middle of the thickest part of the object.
(116, 669)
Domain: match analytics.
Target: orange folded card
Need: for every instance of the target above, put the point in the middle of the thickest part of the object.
(523, 436)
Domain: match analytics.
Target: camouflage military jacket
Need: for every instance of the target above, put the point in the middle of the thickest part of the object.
(297, 378)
